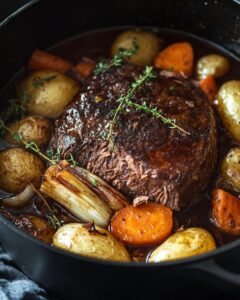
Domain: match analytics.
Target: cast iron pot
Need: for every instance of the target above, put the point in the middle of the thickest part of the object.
(35, 23)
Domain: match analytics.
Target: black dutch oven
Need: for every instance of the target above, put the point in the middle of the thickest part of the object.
(31, 24)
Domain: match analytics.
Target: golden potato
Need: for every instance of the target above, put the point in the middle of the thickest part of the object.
(229, 107)
(212, 64)
(148, 46)
(99, 243)
(231, 168)
(47, 93)
(19, 167)
(182, 244)
(31, 128)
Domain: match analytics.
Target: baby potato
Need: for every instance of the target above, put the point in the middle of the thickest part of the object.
(97, 242)
(229, 107)
(18, 168)
(31, 128)
(47, 93)
(186, 243)
(213, 64)
(148, 46)
(231, 168)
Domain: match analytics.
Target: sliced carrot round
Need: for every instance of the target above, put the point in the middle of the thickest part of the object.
(178, 57)
(146, 224)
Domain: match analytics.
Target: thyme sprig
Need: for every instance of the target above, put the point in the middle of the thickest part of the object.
(28, 145)
(54, 155)
(51, 216)
(157, 114)
(118, 59)
(14, 110)
(125, 101)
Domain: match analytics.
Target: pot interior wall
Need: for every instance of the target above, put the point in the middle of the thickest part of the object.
(48, 22)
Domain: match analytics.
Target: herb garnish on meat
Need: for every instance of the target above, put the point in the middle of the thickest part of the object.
(125, 101)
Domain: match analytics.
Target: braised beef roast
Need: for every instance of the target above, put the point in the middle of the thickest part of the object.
(150, 160)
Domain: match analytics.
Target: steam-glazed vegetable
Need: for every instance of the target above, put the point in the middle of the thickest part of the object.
(231, 168)
(186, 243)
(90, 240)
(213, 64)
(47, 93)
(226, 211)
(209, 86)
(31, 128)
(146, 224)
(79, 198)
(177, 57)
(148, 46)
(229, 107)
(18, 168)
(20, 199)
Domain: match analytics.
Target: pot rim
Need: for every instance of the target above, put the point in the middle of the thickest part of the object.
(176, 263)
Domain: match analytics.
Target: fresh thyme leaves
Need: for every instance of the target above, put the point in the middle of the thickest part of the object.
(155, 113)
(28, 145)
(14, 110)
(171, 89)
(54, 155)
(71, 160)
(39, 82)
(51, 215)
(125, 101)
(117, 60)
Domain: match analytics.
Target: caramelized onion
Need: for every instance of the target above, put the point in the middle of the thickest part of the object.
(20, 199)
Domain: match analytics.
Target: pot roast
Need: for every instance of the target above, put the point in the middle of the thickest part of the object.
(149, 160)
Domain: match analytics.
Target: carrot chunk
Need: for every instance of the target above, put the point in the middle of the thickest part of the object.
(41, 60)
(84, 68)
(146, 224)
(209, 87)
(178, 57)
(226, 211)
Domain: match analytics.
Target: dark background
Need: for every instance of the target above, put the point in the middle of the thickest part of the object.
(17, 39)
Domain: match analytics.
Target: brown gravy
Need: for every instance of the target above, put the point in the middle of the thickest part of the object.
(95, 45)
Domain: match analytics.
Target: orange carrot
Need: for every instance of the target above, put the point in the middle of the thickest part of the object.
(226, 211)
(178, 57)
(209, 87)
(41, 60)
(146, 224)
(84, 68)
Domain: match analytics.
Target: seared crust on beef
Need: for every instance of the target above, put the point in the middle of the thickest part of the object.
(149, 159)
